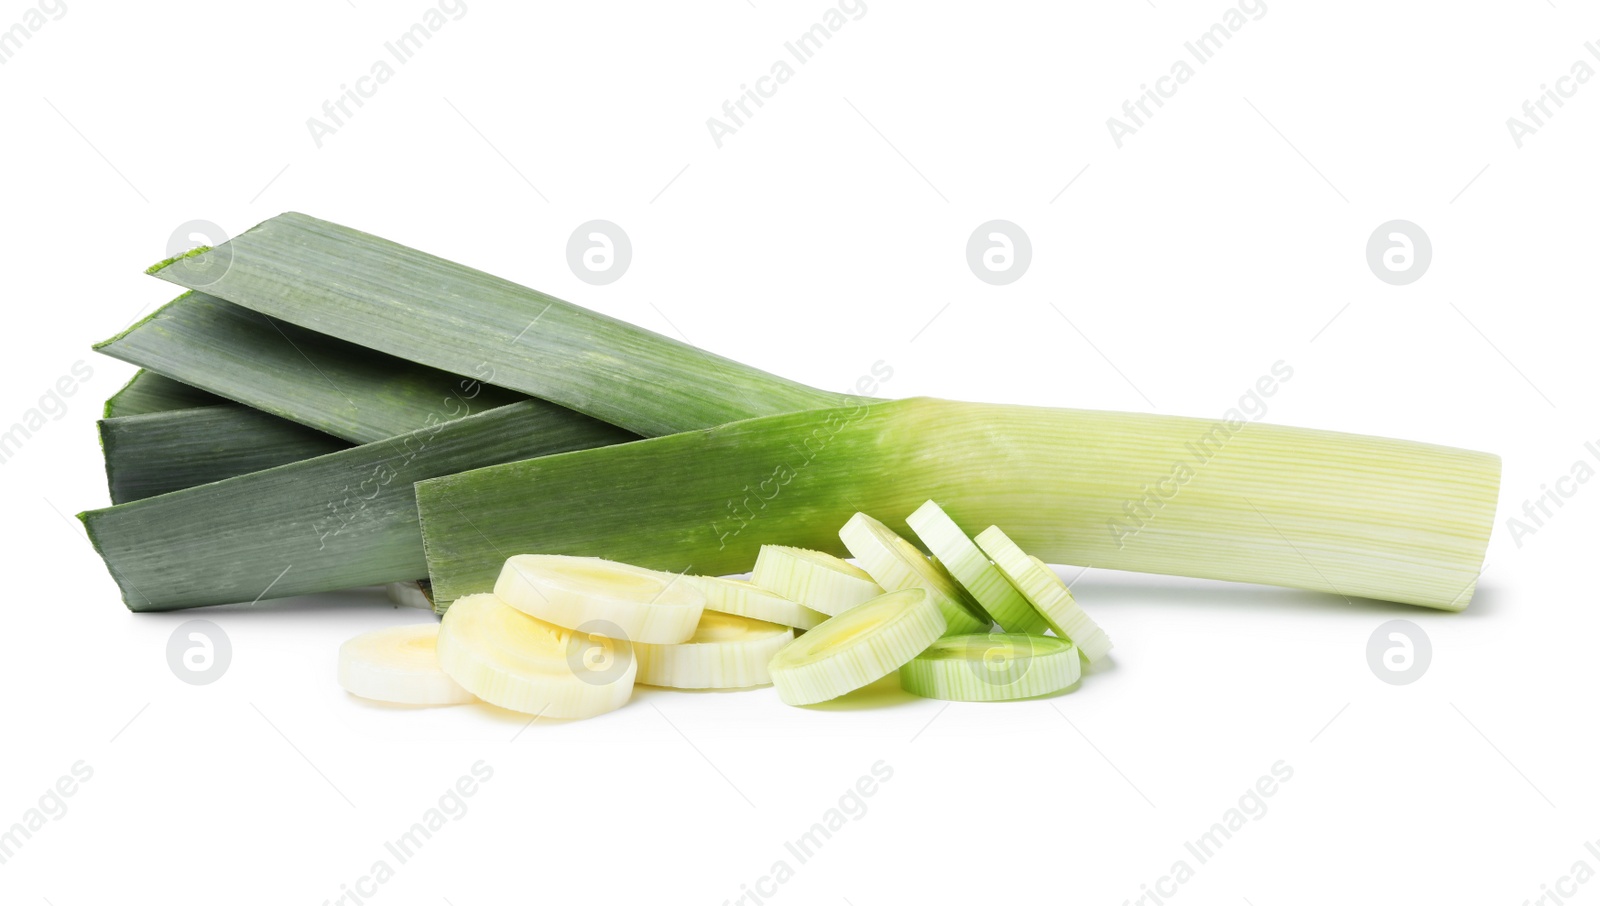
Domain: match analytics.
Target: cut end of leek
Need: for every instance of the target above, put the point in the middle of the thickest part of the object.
(897, 565)
(747, 599)
(819, 581)
(510, 659)
(725, 652)
(862, 644)
(971, 567)
(992, 667)
(1046, 592)
(602, 597)
(399, 664)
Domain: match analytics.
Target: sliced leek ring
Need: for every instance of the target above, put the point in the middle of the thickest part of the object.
(992, 667)
(602, 597)
(516, 661)
(725, 652)
(399, 664)
(816, 580)
(862, 644)
(747, 599)
(897, 565)
(972, 568)
(1046, 592)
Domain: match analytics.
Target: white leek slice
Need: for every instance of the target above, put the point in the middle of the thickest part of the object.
(992, 667)
(398, 664)
(510, 659)
(747, 599)
(725, 652)
(862, 644)
(972, 568)
(897, 565)
(816, 580)
(602, 597)
(1046, 592)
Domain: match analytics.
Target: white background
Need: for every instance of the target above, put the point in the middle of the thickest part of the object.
(825, 235)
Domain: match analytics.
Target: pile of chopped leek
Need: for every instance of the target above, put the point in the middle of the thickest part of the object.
(322, 409)
(563, 636)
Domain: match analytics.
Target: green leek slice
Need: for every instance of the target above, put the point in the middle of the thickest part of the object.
(896, 565)
(747, 599)
(971, 567)
(1046, 592)
(992, 667)
(862, 644)
(725, 652)
(822, 582)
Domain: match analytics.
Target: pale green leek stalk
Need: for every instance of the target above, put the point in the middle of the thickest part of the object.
(1339, 513)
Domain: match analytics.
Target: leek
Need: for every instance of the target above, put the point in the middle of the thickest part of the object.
(331, 385)
(994, 667)
(1047, 593)
(896, 565)
(340, 520)
(599, 597)
(850, 650)
(749, 600)
(510, 659)
(1340, 513)
(821, 582)
(400, 665)
(159, 452)
(972, 569)
(725, 652)
(1317, 510)
(148, 392)
(385, 296)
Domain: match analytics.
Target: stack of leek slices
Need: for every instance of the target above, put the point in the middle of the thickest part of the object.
(569, 637)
